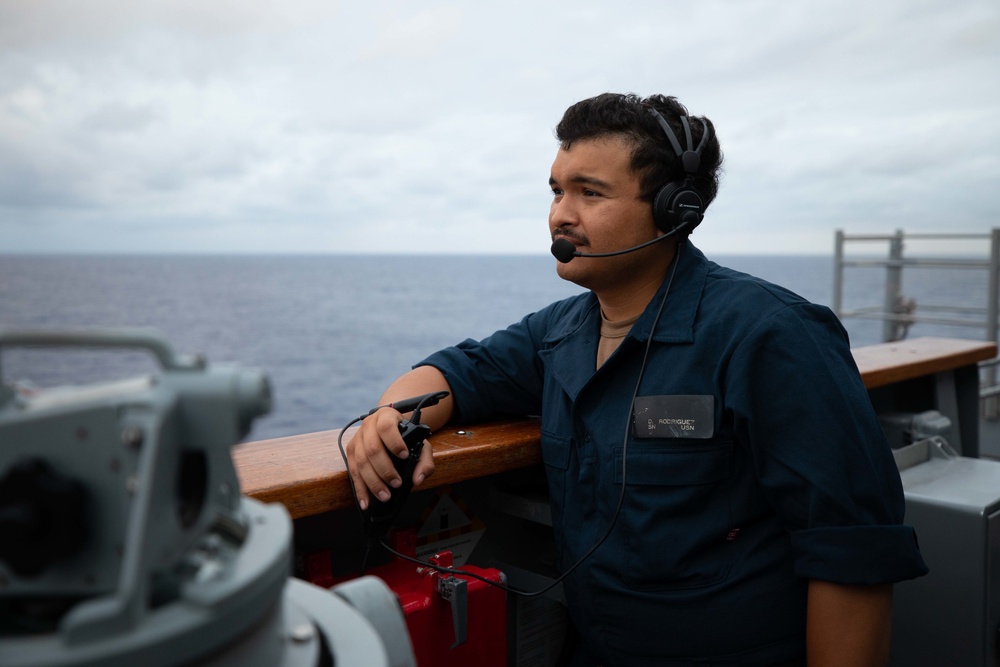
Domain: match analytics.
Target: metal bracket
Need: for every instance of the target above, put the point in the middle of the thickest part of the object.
(456, 592)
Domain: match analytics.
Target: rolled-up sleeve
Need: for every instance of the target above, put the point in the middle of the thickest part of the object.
(819, 451)
(857, 554)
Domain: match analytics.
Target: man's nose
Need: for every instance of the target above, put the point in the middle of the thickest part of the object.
(563, 212)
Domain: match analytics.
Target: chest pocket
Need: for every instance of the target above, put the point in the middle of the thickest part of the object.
(676, 515)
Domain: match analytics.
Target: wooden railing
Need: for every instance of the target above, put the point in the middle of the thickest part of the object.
(306, 472)
(888, 363)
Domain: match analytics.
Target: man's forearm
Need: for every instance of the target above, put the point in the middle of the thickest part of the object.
(422, 380)
(848, 625)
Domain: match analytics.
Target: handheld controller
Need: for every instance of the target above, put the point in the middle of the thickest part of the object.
(380, 516)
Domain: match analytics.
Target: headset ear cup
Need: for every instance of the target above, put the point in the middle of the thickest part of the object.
(661, 208)
(676, 204)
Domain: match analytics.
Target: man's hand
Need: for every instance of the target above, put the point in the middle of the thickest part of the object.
(370, 460)
(368, 452)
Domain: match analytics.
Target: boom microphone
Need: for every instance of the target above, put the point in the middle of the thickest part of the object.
(564, 250)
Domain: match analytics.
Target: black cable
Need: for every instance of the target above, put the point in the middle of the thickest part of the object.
(628, 427)
(621, 495)
(431, 399)
(354, 494)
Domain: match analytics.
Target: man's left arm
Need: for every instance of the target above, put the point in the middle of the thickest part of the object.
(848, 624)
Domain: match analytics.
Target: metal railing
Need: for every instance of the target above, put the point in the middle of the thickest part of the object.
(898, 312)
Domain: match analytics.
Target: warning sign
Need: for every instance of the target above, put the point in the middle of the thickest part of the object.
(447, 524)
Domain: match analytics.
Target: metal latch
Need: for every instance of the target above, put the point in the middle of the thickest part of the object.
(456, 592)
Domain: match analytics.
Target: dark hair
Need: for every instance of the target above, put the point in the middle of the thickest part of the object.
(653, 158)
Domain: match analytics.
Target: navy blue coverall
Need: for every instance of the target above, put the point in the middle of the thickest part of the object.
(773, 470)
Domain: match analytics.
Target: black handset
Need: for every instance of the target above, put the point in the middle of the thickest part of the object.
(381, 515)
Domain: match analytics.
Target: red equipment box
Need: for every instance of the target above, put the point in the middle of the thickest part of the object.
(453, 619)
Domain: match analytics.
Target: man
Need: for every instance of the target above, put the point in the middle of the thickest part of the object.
(715, 424)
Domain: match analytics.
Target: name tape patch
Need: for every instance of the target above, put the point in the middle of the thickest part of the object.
(680, 416)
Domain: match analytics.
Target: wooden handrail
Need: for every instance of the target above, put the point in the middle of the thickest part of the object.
(306, 472)
(887, 363)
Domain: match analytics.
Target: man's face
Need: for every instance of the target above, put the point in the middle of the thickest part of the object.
(596, 205)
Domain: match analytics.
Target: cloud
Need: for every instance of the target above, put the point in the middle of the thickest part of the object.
(392, 127)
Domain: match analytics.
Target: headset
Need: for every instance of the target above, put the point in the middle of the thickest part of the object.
(678, 203)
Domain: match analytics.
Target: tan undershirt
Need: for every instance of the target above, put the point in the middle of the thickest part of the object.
(612, 334)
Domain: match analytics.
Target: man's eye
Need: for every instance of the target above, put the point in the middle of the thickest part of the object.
(591, 193)
(556, 192)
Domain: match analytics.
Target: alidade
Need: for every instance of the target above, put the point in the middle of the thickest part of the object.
(124, 539)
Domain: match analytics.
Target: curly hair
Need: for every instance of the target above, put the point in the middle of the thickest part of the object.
(653, 157)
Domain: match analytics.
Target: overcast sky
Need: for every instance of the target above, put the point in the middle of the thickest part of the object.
(317, 126)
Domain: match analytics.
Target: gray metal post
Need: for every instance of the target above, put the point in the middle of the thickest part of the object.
(993, 306)
(893, 287)
(838, 273)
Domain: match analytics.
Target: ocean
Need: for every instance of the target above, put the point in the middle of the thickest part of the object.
(332, 331)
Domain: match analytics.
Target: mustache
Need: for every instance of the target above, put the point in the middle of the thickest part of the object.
(572, 237)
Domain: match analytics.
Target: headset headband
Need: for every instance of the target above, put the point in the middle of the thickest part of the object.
(691, 158)
(678, 204)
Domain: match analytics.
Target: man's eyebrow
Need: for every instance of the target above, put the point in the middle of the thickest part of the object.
(584, 180)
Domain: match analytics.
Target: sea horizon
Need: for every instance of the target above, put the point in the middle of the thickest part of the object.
(332, 330)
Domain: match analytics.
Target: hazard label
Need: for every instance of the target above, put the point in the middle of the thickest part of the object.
(447, 524)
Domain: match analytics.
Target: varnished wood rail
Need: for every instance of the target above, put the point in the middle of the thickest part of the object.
(306, 472)
(888, 363)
